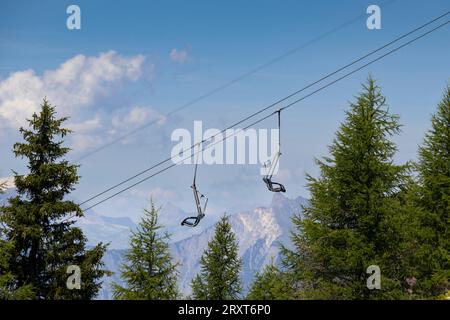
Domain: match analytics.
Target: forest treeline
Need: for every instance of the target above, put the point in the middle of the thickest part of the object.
(365, 210)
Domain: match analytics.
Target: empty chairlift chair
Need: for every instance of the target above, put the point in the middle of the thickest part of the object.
(200, 203)
(271, 165)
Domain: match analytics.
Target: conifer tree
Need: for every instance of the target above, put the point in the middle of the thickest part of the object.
(433, 198)
(8, 289)
(271, 284)
(39, 235)
(149, 272)
(219, 278)
(355, 218)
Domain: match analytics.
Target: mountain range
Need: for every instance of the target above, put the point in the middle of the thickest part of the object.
(259, 232)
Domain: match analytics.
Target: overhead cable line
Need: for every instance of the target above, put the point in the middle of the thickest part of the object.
(269, 115)
(284, 99)
(232, 82)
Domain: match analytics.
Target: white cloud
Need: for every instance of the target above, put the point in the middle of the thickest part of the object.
(74, 84)
(99, 130)
(84, 134)
(135, 117)
(179, 56)
(159, 194)
(85, 141)
(86, 126)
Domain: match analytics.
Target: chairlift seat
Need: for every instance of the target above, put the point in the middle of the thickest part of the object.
(274, 186)
(192, 221)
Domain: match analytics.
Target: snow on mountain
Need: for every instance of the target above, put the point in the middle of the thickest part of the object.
(98, 228)
(259, 233)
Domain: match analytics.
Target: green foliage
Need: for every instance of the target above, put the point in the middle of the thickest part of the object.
(8, 288)
(40, 239)
(198, 287)
(358, 215)
(219, 278)
(149, 272)
(7, 283)
(271, 284)
(433, 198)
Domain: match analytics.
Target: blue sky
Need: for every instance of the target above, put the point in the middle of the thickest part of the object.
(135, 61)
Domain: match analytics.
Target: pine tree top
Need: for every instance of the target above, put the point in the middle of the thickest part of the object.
(367, 127)
(50, 178)
(40, 146)
(360, 168)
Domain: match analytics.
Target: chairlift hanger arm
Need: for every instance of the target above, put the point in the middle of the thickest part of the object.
(194, 221)
(275, 186)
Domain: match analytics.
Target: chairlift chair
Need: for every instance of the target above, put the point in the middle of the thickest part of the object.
(272, 164)
(198, 197)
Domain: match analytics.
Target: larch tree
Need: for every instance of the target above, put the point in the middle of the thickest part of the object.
(149, 272)
(355, 218)
(219, 277)
(433, 199)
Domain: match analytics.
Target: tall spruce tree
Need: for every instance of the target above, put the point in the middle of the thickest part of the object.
(149, 272)
(433, 198)
(41, 241)
(271, 284)
(219, 278)
(355, 218)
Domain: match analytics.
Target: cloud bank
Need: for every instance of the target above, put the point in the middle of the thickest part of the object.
(75, 84)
